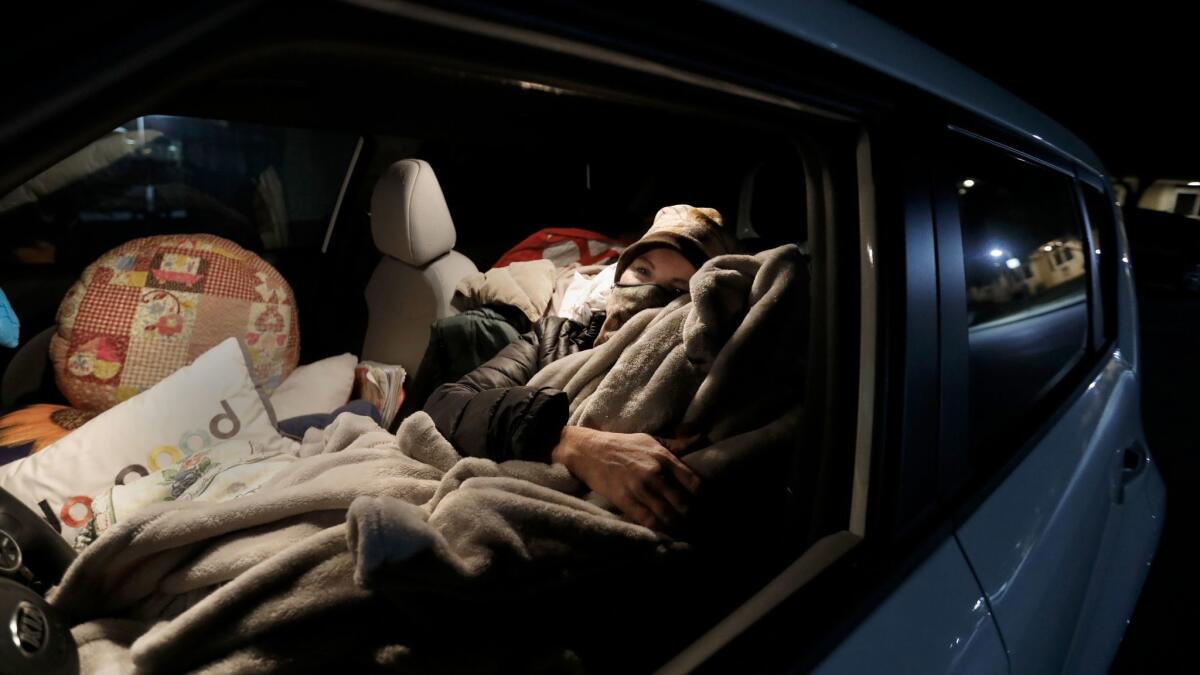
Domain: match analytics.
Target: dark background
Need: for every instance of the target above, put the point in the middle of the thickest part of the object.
(1121, 76)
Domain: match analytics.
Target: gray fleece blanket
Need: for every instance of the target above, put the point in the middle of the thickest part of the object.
(374, 546)
(703, 363)
(184, 585)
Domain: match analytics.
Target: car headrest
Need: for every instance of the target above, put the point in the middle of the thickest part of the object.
(409, 217)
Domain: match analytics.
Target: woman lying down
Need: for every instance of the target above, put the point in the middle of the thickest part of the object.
(493, 412)
(424, 528)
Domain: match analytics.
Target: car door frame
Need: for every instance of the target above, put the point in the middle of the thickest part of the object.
(967, 492)
(908, 525)
(961, 493)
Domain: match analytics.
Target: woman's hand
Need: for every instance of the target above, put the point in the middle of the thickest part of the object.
(640, 476)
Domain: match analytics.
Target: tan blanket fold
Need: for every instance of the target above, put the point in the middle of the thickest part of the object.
(528, 286)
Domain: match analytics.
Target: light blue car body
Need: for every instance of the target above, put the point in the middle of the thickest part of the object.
(1044, 574)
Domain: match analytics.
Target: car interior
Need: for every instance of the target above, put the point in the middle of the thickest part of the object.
(306, 157)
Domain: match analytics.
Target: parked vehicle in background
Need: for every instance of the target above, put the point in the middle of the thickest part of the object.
(1166, 249)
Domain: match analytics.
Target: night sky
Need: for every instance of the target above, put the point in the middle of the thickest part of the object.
(1122, 76)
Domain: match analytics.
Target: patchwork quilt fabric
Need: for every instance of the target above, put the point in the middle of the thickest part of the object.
(151, 306)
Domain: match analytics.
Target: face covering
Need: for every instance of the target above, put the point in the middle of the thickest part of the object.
(629, 299)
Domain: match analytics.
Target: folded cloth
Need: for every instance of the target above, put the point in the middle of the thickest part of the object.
(562, 280)
(587, 293)
(295, 427)
(528, 286)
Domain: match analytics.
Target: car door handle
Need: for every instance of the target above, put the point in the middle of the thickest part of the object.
(1133, 462)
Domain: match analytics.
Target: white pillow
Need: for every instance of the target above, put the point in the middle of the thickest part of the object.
(226, 471)
(319, 387)
(193, 409)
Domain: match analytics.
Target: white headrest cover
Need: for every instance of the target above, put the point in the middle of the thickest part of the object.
(409, 217)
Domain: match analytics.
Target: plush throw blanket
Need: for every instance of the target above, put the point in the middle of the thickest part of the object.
(364, 517)
(375, 549)
(700, 364)
(726, 362)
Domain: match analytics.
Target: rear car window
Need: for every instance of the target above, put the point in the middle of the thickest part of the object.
(1026, 264)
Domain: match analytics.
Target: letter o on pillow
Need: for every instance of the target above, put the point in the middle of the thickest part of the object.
(68, 511)
(169, 450)
(195, 441)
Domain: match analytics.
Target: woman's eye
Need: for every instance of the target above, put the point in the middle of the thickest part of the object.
(642, 271)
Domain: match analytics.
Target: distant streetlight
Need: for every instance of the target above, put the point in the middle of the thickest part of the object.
(996, 253)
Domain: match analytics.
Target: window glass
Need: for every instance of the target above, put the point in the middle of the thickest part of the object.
(264, 187)
(1026, 272)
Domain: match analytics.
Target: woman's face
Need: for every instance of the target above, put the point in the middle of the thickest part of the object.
(662, 266)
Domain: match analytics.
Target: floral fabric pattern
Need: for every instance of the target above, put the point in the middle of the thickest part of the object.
(152, 305)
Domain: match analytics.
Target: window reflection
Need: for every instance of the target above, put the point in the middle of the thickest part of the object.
(1023, 252)
(1030, 279)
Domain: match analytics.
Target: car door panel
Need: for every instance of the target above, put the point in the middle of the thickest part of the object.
(1131, 540)
(1043, 545)
(936, 621)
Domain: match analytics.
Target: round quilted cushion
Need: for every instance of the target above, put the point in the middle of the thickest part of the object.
(151, 306)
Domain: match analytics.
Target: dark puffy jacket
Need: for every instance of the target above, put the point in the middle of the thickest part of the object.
(491, 413)
(459, 344)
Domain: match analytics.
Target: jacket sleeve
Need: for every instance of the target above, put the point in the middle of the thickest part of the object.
(490, 412)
